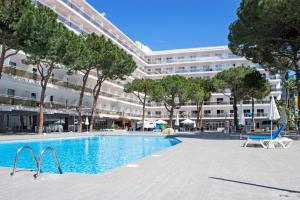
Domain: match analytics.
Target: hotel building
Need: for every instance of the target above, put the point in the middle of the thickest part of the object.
(20, 88)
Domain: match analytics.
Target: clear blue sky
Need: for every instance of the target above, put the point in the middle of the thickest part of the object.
(171, 24)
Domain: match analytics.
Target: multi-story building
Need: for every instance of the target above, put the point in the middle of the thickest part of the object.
(20, 89)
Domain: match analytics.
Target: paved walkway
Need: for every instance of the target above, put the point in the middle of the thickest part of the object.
(195, 169)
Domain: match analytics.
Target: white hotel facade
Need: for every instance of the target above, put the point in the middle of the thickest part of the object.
(20, 89)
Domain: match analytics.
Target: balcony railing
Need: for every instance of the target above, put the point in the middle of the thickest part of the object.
(98, 25)
(212, 103)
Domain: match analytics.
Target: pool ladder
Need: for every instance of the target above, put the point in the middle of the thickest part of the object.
(37, 162)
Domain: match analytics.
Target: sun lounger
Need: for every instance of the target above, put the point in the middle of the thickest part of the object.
(266, 141)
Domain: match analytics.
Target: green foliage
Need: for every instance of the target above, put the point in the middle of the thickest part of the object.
(144, 86)
(116, 63)
(267, 32)
(232, 81)
(85, 49)
(37, 28)
(171, 90)
(256, 85)
(200, 89)
(10, 13)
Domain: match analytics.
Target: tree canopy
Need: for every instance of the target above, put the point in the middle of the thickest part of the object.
(11, 12)
(142, 88)
(268, 32)
(172, 91)
(231, 82)
(199, 91)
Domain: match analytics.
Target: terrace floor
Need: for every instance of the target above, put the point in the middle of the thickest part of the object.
(194, 169)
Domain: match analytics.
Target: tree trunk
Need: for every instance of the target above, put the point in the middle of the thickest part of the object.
(201, 119)
(41, 113)
(235, 114)
(298, 90)
(171, 117)
(44, 83)
(2, 59)
(253, 120)
(143, 117)
(79, 110)
(96, 93)
(199, 108)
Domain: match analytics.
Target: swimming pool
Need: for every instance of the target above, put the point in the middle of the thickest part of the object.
(88, 155)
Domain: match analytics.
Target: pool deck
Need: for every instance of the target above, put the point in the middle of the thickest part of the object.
(194, 169)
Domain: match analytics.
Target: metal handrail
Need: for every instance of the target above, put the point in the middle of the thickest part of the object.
(41, 159)
(17, 157)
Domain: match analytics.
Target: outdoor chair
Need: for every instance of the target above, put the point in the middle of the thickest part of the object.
(266, 140)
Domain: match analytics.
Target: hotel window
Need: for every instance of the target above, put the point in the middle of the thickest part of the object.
(157, 60)
(260, 112)
(219, 100)
(180, 69)
(193, 68)
(34, 73)
(219, 67)
(33, 95)
(207, 112)
(220, 112)
(169, 69)
(12, 64)
(206, 77)
(10, 92)
(205, 68)
(247, 113)
(51, 99)
(193, 58)
(169, 59)
(157, 113)
(180, 58)
(158, 70)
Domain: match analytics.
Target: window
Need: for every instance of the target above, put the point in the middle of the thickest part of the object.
(205, 67)
(169, 59)
(169, 69)
(51, 99)
(10, 92)
(220, 112)
(207, 113)
(34, 73)
(12, 64)
(260, 112)
(193, 68)
(247, 113)
(180, 57)
(157, 113)
(193, 58)
(219, 67)
(158, 70)
(219, 100)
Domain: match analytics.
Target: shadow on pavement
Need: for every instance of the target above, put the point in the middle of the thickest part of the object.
(256, 185)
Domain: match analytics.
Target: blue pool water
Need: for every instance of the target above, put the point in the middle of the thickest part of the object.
(89, 155)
